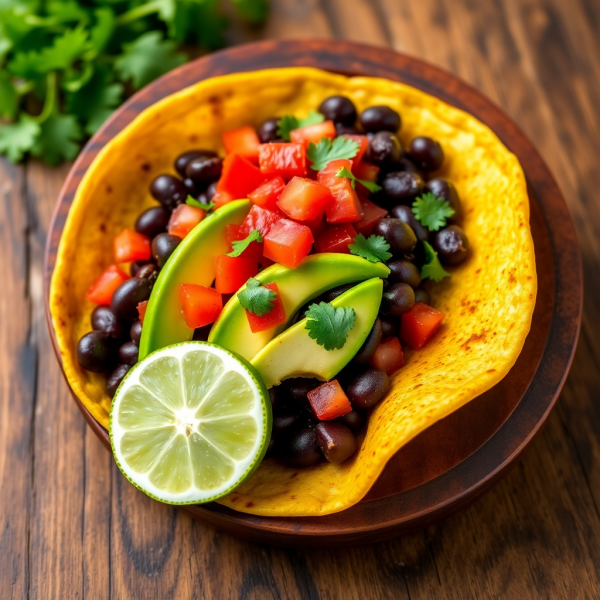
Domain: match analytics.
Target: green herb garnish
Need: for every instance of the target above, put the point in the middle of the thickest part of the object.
(256, 298)
(370, 185)
(191, 201)
(432, 211)
(288, 123)
(240, 245)
(326, 150)
(432, 269)
(374, 248)
(329, 325)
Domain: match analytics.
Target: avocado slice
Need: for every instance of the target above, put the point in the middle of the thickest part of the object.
(316, 274)
(294, 354)
(192, 262)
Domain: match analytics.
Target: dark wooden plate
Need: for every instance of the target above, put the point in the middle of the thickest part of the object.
(460, 457)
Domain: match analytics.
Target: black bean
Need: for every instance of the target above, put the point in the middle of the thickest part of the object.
(367, 350)
(397, 299)
(113, 381)
(354, 420)
(127, 296)
(443, 188)
(103, 319)
(153, 221)
(426, 153)
(368, 388)
(211, 190)
(384, 148)
(403, 271)
(301, 449)
(451, 244)
(380, 118)
(201, 333)
(297, 388)
(204, 170)
(402, 187)
(135, 332)
(128, 353)
(336, 441)
(397, 234)
(346, 130)
(389, 327)
(286, 422)
(163, 245)
(135, 266)
(267, 132)
(338, 109)
(422, 295)
(405, 164)
(333, 293)
(169, 191)
(148, 271)
(405, 214)
(182, 161)
(96, 351)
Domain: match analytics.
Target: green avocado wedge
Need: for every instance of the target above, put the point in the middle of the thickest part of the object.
(192, 262)
(294, 354)
(316, 274)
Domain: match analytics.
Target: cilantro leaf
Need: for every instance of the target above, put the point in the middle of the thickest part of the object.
(64, 51)
(326, 150)
(147, 58)
(432, 269)
(432, 211)
(18, 138)
(191, 201)
(329, 325)
(374, 248)
(101, 32)
(288, 123)
(9, 99)
(240, 245)
(58, 139)
(256, 298)
(370, 185)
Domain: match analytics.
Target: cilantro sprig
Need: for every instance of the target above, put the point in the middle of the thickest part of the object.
(256, 298)
(329, 325)
(432, 211)
(240, 245)
(191, 201)
(370, 185)
(287, 123)
(327, 150)
(374, 248)
(432, 269)
(66, 65)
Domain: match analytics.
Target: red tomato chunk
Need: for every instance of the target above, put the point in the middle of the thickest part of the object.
(221, 198)
(130, 245)
(287, 160)
(329, 401)
(345, 207)
(367, 172)
(261, 219)
(239, 177)
(267, 193)
(200, 305)
(102, 290)
(335, 239)
(141, 308)
(372, 215)
(313, 133)
(304, 199)
(243, 141)
(232, 272)
(288, 243)
(419, 324)
(184, 218)
(232, 234)
(389, 356)
(276, 316)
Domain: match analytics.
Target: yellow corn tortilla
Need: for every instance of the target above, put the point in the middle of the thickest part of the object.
(488, 301)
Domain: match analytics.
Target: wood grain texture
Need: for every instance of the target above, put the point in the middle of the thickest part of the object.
(71, 527)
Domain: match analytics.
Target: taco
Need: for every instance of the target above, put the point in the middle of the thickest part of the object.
(486, 304)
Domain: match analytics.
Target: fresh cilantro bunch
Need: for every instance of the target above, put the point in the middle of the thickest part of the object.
(65, 65)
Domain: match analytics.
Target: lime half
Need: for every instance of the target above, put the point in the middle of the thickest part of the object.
(189, 423)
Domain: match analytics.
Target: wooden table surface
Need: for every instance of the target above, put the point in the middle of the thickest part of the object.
(72, 527)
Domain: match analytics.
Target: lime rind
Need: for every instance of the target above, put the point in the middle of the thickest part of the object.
(230, 470)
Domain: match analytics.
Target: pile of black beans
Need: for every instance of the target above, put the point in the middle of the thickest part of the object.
(112, 345)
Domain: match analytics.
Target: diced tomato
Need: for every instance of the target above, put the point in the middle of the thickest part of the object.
(243, 141)
(102, 290)
(419, 324)
(232, 234)
(335, 238)
(389, 356)
(239, 177)
(141, 308)
(313, 133)
(304, 199)
(287, 160)
(367, 172)
(372, 215)
(363, 144)
(184, 218)
(288, 243)
(267, 193)
(261, 219)
(316, 225)
(345, 207)
(276, 316)
(221, 198)
(329, 401)
(130, 245)
(232, 272)
(200, 305)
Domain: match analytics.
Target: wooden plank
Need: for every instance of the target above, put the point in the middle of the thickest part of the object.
(18, 357)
